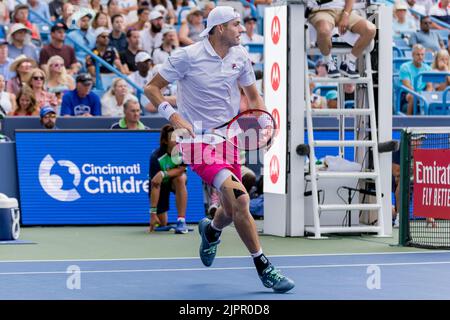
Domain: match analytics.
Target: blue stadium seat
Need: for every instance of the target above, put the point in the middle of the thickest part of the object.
(433, 102)
(397, 62)
(44, 31)
(107, 79)
(255, 47)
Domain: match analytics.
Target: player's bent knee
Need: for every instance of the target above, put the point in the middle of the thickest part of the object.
(242, 202)
(180, 179)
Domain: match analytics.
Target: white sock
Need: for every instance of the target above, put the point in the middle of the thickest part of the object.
(182, 219)
(351, 57)
(257, 254)
(214, 227)
(327, 58)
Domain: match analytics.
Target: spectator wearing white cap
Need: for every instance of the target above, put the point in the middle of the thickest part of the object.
(143, 76)
(402, 22)
(19, 39)
(83, 35)
(144, 65)
(169, 45)
(168, 13)
(104, 51)
(151, 38)
(192, 27)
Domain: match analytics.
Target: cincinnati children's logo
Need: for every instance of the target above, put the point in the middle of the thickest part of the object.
(63, 180)
(53, 183)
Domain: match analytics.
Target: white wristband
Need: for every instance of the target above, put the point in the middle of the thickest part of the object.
(264, 121)
(166, 110)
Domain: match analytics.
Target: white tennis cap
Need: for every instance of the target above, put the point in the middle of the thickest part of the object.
(219, 15)
(142, 57)
(155, 14)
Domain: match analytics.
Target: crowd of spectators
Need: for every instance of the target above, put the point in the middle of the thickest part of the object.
(134, 37)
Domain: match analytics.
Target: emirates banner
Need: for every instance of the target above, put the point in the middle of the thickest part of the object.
(432, 183)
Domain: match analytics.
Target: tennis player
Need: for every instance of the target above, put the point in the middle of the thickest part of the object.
(208, 74)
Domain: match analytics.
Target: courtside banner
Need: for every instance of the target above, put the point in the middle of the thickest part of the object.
(275, 95)
(87, 177)
(432, 183)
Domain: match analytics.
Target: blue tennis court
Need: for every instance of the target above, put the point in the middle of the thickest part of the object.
(344, 276)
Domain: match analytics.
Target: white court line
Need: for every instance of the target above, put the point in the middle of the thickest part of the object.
(238, 257)
(232, 268)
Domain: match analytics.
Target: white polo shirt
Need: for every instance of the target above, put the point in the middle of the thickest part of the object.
(207, 89)
(149, 42)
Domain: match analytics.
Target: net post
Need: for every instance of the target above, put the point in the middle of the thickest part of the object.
(405, 165)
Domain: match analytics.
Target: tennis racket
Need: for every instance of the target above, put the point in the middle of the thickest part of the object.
(252, 129)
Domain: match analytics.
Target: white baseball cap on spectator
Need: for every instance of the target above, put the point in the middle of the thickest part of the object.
(160, 8)
(155, 14)
(167, 29)
(17, 27)
(142, 57)
(218, 16)
(101, 30)
(400, 5)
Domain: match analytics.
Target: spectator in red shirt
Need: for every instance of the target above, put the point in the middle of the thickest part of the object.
(58, 48)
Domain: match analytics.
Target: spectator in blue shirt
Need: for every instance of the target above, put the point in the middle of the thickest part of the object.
(84, 36)
(41, 8)
(410, 70)
(5, 61)
(426, 37)
(81, 101)
(19, 39)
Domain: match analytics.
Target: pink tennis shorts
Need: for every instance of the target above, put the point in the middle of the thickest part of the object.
(207, 160)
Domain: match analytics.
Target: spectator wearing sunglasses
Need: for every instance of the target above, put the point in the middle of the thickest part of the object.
(431, 40)
(48, 118)
(36, 81)
(104, 51)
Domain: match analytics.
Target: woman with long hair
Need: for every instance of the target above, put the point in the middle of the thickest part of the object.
(7, 100)
(36, 82)
(26, 103)
(58, 78)
(441, 62)
(191, 28)
(22, 66)
(101, 19)
(115, 98)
